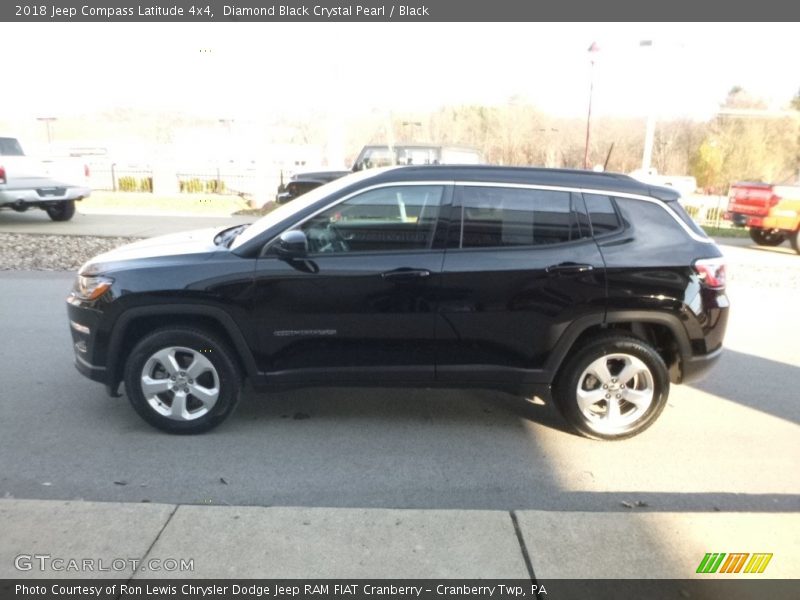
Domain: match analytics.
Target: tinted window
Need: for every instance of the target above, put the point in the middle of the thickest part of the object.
(498, 216)
(602, 213)
(10, 147)
(654, 225)
(390, 218)
(679, 210)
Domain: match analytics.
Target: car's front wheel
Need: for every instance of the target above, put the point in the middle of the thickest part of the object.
(613, 388)
(767, 237)
(182, 380)
(63, 211)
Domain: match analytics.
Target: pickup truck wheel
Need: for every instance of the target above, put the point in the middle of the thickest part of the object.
(613, 388)
(795, 239)
(767, 237)
(63, 211)
(182, 380)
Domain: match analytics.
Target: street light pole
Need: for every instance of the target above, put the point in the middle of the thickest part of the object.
(47, 121)
(592, 50)
(227, 123)
(650, 129)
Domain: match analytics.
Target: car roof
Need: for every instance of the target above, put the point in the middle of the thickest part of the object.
(523, 175)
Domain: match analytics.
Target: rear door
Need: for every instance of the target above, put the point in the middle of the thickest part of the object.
(520, 266)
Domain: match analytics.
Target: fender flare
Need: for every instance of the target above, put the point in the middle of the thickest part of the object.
(225, 321)
(571, 334)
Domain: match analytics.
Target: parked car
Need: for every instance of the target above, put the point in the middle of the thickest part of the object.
(770, 212)
(28, 183)
(373, 156)
(300, 183)
(590, 289)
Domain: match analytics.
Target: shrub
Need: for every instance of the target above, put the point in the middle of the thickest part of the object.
(190, 186)
(127, 184)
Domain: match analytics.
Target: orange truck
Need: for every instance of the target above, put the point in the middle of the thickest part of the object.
(770, 212)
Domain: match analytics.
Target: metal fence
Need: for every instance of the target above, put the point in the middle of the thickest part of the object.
(213, 181)
(111, 179)
(706, 210)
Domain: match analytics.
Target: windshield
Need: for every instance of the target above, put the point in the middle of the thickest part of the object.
(285, 211)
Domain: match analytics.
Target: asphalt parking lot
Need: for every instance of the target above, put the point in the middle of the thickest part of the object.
(729, 443)
(37, 221)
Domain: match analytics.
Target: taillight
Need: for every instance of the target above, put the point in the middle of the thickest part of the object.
(2, 175)
(711, 272)
(774, 199)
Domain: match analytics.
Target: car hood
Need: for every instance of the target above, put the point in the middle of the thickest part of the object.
(199, 242)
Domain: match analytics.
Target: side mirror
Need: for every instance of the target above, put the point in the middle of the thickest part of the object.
(292, 244)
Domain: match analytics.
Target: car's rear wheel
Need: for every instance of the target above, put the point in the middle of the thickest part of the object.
(767, 237)
(182, 380)
(63, 211)
(796, 241)
(613, 388)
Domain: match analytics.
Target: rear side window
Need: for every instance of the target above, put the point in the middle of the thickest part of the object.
(602, 214)
(500, 217)
(10, 147)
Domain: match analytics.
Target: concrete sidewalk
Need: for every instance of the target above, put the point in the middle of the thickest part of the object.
(280, 542)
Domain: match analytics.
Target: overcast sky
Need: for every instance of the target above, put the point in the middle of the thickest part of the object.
(242, 70)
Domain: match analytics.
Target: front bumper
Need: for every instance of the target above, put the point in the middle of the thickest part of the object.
(83, 326)
(93, 372)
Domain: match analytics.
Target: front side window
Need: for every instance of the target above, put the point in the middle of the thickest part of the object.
(398, 218)
(499, 216)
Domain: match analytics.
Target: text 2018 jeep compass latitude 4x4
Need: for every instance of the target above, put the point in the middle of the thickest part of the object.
(592, 289)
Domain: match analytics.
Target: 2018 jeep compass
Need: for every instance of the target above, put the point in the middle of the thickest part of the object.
(594, 290)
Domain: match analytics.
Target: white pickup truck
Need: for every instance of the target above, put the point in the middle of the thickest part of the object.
(29, 183)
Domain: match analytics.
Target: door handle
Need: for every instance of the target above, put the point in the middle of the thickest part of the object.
(403, 274)
(568, 268)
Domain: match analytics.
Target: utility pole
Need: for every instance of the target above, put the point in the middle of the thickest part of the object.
(593, 49)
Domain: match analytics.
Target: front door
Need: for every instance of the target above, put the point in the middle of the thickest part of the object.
(360, 307)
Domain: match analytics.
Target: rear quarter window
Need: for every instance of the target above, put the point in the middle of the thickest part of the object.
(678, 209)
(653, 225)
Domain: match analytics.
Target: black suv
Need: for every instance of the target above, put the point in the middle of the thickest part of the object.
(592, 289)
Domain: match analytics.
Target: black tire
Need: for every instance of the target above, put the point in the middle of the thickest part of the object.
(185, 344)
(795, 239)
(63, 211)
(612, 345)
(767, 237)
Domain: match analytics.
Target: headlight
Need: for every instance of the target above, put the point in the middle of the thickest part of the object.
(91, 288)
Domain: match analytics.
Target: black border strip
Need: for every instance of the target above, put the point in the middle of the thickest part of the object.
(388, 10)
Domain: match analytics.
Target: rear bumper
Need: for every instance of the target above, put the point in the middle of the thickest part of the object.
(696, 367)
(31, 196)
